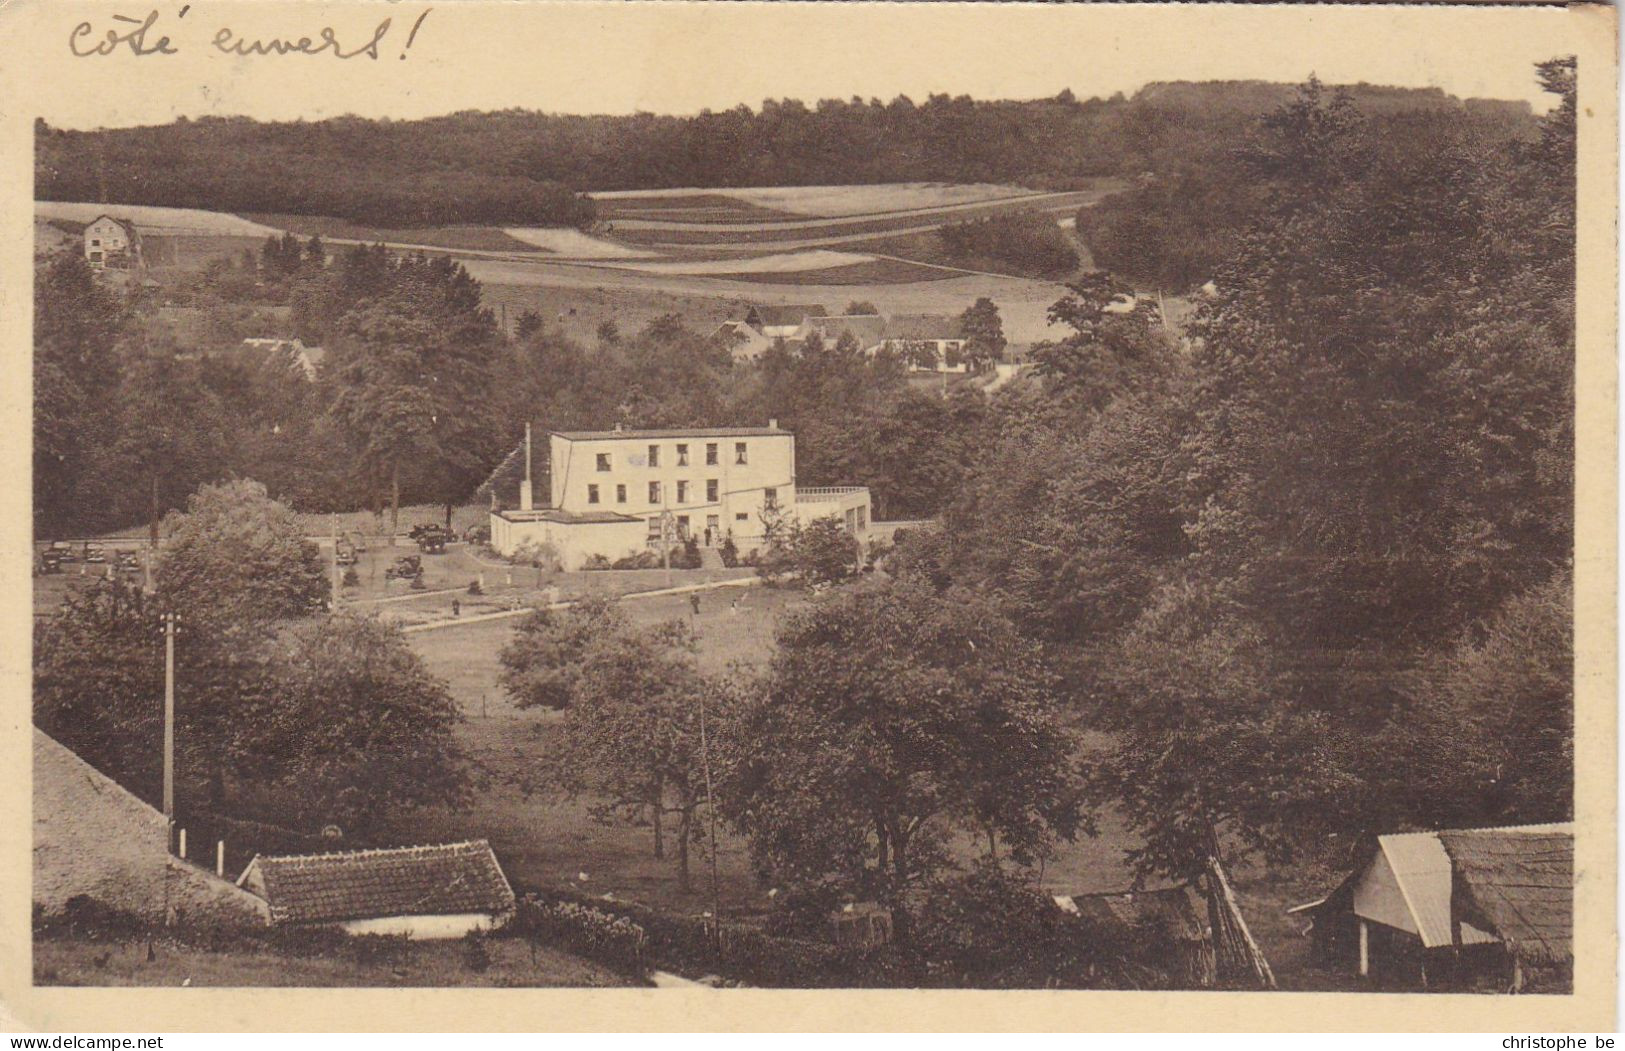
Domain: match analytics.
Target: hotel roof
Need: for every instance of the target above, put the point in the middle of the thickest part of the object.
(674, 432)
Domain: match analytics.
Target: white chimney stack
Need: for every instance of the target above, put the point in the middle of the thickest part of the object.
(773, 425)
(526, 494)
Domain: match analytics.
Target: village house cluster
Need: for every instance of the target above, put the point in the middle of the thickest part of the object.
(926, 342)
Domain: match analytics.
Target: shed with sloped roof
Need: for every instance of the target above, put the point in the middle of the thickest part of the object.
(438, 891)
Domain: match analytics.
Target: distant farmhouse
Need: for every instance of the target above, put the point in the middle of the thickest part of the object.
(928, 342)
(741, 340)
(781, 322)
(113, 244)
(615, 493)
(440, 891)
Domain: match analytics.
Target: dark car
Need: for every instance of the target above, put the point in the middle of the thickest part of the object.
(128, 562)
(64, 551)
(95, 554)
(432, 542)
(407, 567)
(50, 561)
(345, 555)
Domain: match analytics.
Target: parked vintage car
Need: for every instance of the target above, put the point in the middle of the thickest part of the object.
(95, 554)
(407, 567)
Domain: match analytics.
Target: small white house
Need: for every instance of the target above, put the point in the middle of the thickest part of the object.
(440, 891)
(112, 244)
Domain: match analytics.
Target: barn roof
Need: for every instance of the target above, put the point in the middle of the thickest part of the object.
(1173, 910)
(788, 314)
(867, 329)
(922, 326)
(1423, 876)
(442, 879)
(673, 432)
(1520, 884)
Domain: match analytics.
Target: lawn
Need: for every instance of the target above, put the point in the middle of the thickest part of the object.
(64, 961)
(545, 839)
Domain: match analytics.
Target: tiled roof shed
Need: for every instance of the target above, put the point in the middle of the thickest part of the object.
(1519, 884)
(769, 315)
(867, 329)
(923, 327)
(444, 879)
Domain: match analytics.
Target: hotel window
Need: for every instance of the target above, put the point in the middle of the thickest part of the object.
(682, 492)
(592, 494)
(654, 456)
(711, 454)
(620, 494)
(603, 461)
(96, 242)
(742, 517)
(770, 498)
(682, 456)
(739, 452)
(711, 490)
(654, 492)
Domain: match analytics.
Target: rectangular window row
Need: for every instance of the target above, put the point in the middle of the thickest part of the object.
(713, 492)
(605, 461)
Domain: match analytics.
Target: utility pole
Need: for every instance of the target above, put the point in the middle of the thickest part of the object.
(333, 523)
(665, 542)
(169, 727)
(711, 805)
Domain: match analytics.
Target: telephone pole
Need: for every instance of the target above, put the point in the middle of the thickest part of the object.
(169, 726)
(333, 523)
(711, 805)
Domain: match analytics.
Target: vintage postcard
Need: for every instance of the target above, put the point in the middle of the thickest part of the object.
(690, 515)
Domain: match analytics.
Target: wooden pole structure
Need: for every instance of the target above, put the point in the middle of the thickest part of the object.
(333, 526)
(169, 720)
(711, 806)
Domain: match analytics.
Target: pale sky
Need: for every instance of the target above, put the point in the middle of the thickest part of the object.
(668, 56)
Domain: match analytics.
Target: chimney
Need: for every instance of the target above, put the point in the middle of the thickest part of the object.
(773, 425)
(617, 427)
(525, 492)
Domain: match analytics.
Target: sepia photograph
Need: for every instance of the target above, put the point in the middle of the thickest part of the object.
(974, 512)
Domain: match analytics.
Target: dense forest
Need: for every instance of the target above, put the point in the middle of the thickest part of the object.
(520, 166)
(1314, 571)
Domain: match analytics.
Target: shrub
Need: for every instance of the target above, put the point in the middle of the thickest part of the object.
(352, 579)
(474, 588)
(641, 560)
(687, 556)
(417, 583)
(596, 562)
(730, 553)
(476, 954)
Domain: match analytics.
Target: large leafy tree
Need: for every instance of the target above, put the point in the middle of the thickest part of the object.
(238, 554)
(894, 720)
(412, 371)
(333, 722)
(78, 329)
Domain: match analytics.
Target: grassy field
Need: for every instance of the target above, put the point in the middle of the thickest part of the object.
(820, 200)
(60, 961)
(483, 238)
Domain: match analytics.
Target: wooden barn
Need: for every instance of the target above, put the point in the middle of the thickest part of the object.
(1437, 910)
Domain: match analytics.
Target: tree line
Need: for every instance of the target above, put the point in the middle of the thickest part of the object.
(520, 166)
